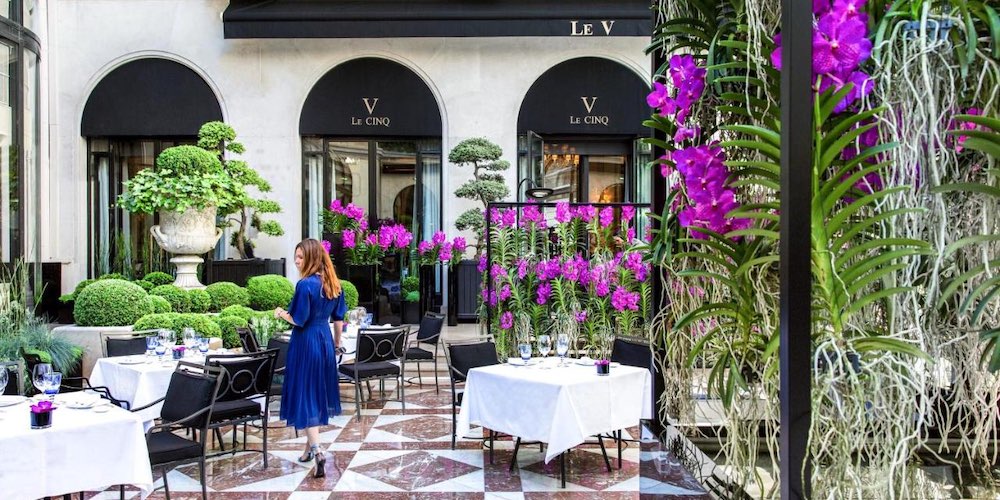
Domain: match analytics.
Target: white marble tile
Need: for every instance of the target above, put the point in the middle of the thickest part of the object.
(352, 481)
(376, 435)
(310, 495)
(470, 457)
(630, 484)
(472, 482)
(288, 482)
(344, 447)
(505, 495)
(370, 456)
(654, 487)
(538, 482)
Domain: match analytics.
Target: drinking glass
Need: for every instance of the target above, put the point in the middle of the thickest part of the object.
(160, 351)
(544, 345)
(189, 338)
(38, 375)
(203, 345)
(3, 378)
(52, 383)
(562, 347)
(151, 343)
(525, 350)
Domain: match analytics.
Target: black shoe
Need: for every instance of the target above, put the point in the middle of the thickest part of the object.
(320, 466)
(307, 457)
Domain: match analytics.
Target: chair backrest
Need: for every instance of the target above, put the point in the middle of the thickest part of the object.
(281, 345)
(245, 375)
(130, 346)
(632, 352)
(14, 384)
(191, 389)
(248, 339)
(430, 328)
(386, 344)
(464, 357)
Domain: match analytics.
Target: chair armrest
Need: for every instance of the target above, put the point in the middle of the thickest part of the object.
(158, 401)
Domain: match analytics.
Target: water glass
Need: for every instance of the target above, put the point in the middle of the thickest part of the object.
(203, 345)
(525, 350)
(160, 350)
(544, 345)
(151, 343)
(38, 375)
(189, 338)
(562, 347)
(52, 383)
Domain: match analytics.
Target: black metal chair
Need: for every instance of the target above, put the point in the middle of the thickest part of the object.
(188, 404)
(246, 378)
(630, 351)
(430, 335)
(462, 357)
(248, 340)
(380, 355)
(124, 345)
(15, 383)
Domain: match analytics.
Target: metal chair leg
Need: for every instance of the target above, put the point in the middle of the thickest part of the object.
(619, 449)
(357, 398)
(166, 487)
(402, 390)
(562, 468)
(218, 437)
(204, 485)
(491, 446)
(437, 386)
(265, 442)
(420, 375)
(513, 459)
(604, 452)
(454, 422)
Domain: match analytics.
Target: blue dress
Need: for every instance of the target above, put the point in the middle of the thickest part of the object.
(310, 393)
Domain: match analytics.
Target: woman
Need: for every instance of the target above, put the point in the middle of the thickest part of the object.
(310, 393)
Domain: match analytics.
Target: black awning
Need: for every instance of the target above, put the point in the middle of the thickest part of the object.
(370, 97)
(435, 18)
(587, 95)
(150, 97)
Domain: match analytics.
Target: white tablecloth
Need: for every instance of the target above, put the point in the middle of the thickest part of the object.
(83, 451)
(139, 384)
(561, 406)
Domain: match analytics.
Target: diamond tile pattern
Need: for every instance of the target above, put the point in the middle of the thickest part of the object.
(364, 458)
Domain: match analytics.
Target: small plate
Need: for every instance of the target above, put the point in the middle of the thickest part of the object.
(519, 362)
(12, 400)
(585, 362)
(131, 360)
(102, 408)
(81, 405)
(615, 364)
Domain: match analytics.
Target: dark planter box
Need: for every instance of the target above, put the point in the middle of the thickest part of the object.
(240, 270)
(411, 312)
(365, 279)
(465, 290)
(427, 296)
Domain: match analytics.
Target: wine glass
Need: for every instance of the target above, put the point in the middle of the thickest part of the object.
(544, 345)
(151, 343)
(562, 347)
(203, 345)
(38, 376)
(525, 350)
(161, 349)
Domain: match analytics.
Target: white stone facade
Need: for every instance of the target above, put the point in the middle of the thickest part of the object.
(261, 86)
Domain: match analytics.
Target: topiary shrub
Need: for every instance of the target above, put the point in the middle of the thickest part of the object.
(269, 291)
(199, 301)
(146, 285)
(239, 311)
(409, 284)
(157, 321)
(158, 278)
(225, 294)
(202, 324)
(160, 304)
(350, 293)
(111, 303)
(178, 298)
(228, 326)
(111, 276)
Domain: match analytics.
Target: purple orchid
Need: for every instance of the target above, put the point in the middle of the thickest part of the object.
(326, 246)
(507, 320)
(623, 299)
(607, 216)
(563, 212)
(544, 292)
(348, 238)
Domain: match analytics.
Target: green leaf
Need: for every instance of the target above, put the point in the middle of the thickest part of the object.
(969, 187)
(878, 343)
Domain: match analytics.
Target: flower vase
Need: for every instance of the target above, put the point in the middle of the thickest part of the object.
(42, 420)
(427, 277)
(603, 367)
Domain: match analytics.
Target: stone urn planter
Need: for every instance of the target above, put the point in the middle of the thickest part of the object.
(188, 235)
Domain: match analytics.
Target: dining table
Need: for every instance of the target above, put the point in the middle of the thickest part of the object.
(90, 446)
(560, 404)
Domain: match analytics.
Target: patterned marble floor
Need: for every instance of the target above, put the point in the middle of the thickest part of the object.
(408, 455)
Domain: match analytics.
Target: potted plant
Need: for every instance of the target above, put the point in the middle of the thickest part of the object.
(487, 185)
(247, 213)
(186, 187)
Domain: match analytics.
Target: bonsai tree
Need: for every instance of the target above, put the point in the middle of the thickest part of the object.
(486, 185)
(183, 177)
(246, 211)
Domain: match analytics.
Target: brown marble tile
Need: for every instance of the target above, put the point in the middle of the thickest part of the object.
(497, 476)
(430, 400)
(415, 470)
(424, 445)
(586, 469)
(581, 495)
(417, 411)
(356, 430)
(223, 495)
(336, 464)
(424, 427)
(657, 496)
(395, 495)
(230, 472)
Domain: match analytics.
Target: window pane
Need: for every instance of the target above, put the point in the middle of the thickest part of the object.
(31, 211)
(10, 204)
(349, 168)
(607, 179)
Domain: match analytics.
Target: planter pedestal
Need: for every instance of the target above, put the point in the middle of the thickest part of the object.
(187, 271)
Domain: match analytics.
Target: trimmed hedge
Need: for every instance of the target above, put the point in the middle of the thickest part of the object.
(239, 311)
(269, 291)
(158, 278)
(156, 321)
(199, 301)
(178, 297)
(111, 303)
(228, 326)
(81, 285)
(350, 293)
(160, 304)
(409, 284)
(225, 294)
(146, 285)
(202, 324)
(111, 276)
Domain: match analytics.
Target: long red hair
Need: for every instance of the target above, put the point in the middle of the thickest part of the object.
(315, 260)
